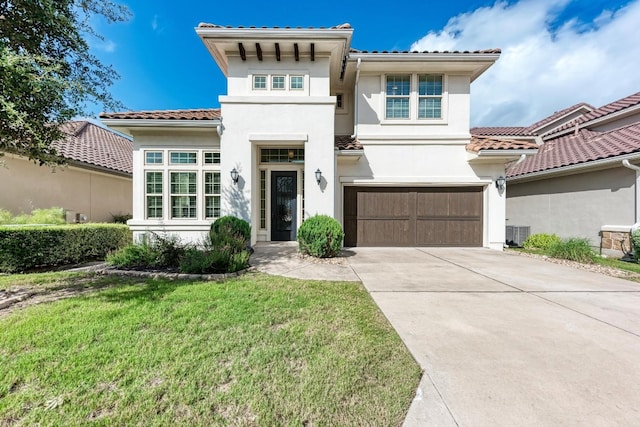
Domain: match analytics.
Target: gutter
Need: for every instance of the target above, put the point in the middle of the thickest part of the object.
(635, 168)
(355, 101)
(126, 123)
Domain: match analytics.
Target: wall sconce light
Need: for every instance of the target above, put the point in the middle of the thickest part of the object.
(235, 175)
(318, 176)
(501, 183)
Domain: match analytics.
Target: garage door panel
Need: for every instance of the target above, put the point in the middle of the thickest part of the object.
(383, 204)
(383, 232)
(432, 204)
(413, 216)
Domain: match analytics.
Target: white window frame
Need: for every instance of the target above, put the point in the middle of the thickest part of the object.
(413, 102)
(172, 163)
(204, 158)
(296, 76)
(172, 195)
(147, 152)
(266, 81)
(438, 96)
(211, 194)
(399, 97)
(147, 194)
(273, 82)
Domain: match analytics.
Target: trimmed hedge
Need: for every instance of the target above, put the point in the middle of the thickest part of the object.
(27, 247)
(320, 236)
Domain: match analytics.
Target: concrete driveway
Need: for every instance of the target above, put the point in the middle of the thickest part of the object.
(510, 340)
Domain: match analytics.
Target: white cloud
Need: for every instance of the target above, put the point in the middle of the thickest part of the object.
(154, 23)
(544, 68)
(106, 46)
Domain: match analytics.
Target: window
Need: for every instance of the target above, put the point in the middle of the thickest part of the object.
(183, 194)
(212, 158)
(212, 194)
(259, 82)
(282, 155)
(429, 96)
(154, 194)
(183, 157)
(296, 82)
(339, 101)
(153, 158)
(277, 82)
(263, 199)
(398, 92)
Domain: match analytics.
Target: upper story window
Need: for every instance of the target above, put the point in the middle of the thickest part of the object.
(398, 94)
(259, 82)
(153, 158)
(183, 157)
(277, 82)
(430, 96)
(296, 82)
(339, 101)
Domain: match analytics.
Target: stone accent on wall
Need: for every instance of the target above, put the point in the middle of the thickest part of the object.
(615, 239)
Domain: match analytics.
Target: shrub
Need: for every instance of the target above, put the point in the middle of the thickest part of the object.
(215, 260)
(5, 216)
(121, 218)
(51, 216)
(542, 241)
(27, 247)
(230, 226)
(132, 256)
(168, 251)
(320, 236)
(574, 249)
(635, 243)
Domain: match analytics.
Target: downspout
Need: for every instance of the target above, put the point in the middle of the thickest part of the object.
(355, 101)
(520, 160)
(626, 164)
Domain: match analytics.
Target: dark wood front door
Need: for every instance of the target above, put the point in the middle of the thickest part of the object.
(442, 216)
(283, 205)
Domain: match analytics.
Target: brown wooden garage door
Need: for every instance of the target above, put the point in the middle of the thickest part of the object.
(450, 216)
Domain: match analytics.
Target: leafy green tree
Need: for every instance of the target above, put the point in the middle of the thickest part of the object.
(47, 74)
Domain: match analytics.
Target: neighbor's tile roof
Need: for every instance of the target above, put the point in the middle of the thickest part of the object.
(557, 115)
(585, 146)
(347, 142)
(94, 145)
(199, 114)
(486, 51)
(501, 131)
(336, 27)
(478, 143)
(613, 107)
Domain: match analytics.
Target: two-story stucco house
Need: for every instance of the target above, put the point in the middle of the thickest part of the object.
(378, 140)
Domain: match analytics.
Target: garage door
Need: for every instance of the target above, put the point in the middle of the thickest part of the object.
(450, 216)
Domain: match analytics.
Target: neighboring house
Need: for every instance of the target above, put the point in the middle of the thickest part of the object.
(378, 140)
(95, 183)
(583, 181)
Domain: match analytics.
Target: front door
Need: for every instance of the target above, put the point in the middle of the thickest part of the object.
(283, 205)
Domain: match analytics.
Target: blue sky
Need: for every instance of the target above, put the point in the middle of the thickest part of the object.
(555, 52)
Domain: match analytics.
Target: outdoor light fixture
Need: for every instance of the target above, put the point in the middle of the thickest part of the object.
(235, 175)
(318, 176)
(501, 182)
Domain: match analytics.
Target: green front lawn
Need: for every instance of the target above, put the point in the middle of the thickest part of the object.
(256, 350)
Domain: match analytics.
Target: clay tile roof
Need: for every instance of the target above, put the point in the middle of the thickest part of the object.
(585, 146)
(478, 143)
(501, 131)
(344, 26)
(557, 115)
(613, 107)
(94, 145)
(201, 114)
(347, 142)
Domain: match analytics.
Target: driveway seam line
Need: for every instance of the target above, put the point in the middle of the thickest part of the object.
(444, 402)
(533, 293)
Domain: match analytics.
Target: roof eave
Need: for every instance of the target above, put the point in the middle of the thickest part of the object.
(125, 125)
(493, 155)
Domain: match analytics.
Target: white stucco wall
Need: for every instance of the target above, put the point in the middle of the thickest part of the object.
(26, 186)
(575, 205)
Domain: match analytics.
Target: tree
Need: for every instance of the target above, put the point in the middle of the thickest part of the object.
(47, 74)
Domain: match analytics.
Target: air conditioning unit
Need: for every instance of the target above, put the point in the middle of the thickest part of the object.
(517, 234)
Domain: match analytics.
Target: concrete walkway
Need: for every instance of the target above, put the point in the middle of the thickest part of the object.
(504, 340)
